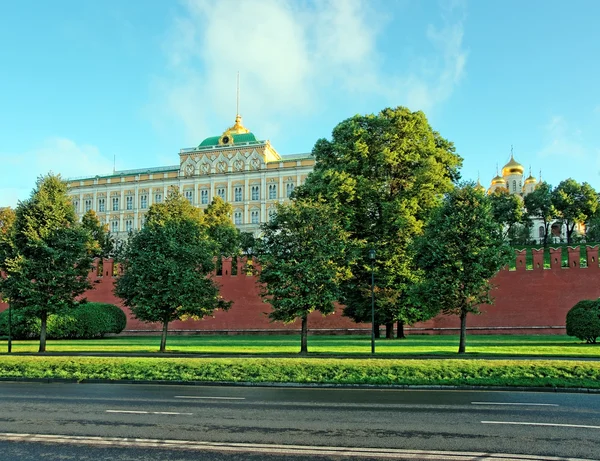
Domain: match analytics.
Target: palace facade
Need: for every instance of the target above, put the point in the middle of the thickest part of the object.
(236, 166)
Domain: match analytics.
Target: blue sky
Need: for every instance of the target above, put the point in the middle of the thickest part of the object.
(83, 83)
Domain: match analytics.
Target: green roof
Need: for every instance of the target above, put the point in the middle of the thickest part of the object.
(237, 138)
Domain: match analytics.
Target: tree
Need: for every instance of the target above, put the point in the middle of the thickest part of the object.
(507, 210)
(539, 205)
(461, 250)
(574, 203)
(104, 243)
(304, 257)
(167, 265)
(7, 252)
(52, 254)
(217, 217)
(383, 174)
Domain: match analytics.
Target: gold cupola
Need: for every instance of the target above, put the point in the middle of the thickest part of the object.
(512, 167)
(531, 179)
(498, 180)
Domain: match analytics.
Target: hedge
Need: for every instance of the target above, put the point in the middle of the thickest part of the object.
(86, 321)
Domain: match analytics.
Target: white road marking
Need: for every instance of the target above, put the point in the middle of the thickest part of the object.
(139, 412)
(381, 453)
(208, 397)
(516, 403)
(521, 423)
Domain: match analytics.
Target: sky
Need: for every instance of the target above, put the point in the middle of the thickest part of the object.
(87, 86)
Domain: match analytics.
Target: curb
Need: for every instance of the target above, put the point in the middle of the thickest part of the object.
(567, 390)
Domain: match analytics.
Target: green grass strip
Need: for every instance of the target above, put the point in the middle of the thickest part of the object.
(414, 344)
(551, 373)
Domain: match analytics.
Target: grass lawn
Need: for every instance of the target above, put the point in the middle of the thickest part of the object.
(546, 373)
(446, 345)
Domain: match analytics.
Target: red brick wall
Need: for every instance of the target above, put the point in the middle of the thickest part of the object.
(526, 301)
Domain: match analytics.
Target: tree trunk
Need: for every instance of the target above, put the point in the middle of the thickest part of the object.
(304, 336)
(44, 319)
(463, 331)
(9, 328)
(389, 330)
(400, 330)
(377, 332)
(163, 338)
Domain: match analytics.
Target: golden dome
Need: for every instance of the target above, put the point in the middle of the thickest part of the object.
(479, 187)
(512, 167)
(237, 127)
(530, 180)
(498, 180)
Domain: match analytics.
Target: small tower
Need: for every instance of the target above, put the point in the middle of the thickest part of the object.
(530, 184)
(512, 173)
(498, 182)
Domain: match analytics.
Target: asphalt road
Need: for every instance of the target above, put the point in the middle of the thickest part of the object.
(92, 421)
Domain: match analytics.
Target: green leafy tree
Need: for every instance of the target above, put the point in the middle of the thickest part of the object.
(538, 204)
(461, 250)
(507, 210)
(217, 217)
(383, 174)
(167, 265)
(574, 203)
(304, 256)
(7, 252)
(104, 243)
(52, 255)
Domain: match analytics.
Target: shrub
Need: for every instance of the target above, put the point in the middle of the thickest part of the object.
(86, 321)
(583, 320)
(23, 326)
(118, 318)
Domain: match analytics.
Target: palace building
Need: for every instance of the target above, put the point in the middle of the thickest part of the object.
(236, 166)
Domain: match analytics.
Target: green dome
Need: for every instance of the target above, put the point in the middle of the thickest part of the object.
(237, 139)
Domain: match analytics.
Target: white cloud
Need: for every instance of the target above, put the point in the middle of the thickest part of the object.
(58, 155)
(562, 141)
(291, 55)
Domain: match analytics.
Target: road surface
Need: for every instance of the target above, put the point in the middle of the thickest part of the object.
(99, 421)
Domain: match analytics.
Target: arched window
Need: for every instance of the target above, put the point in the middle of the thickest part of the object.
(541, 232)
(514, 185)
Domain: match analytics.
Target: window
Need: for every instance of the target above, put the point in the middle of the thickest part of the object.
(255, 193)
(129, 225)
(76, 205)
(204, 196)
(254, 217)
(221, 193)
(541, 232)
(272, 213)
(514, 185)
(129, 202)
(101, 205)
(88, 205)
(115, 203)
(143, 201)
(142, 220)
(114, 226)
(272, 191)
(189, 195)
(157, 198)
(289, 188)
(237, 194)
(237, 218)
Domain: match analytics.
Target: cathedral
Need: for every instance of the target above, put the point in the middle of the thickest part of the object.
(236, 166)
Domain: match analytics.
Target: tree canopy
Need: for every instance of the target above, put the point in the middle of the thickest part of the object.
(167, 265)
(383, 174)
(574, 203)
(507, 209)
(461, 250)
(50, 256)
(539, 205)
(304, 256)
(103, 242)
